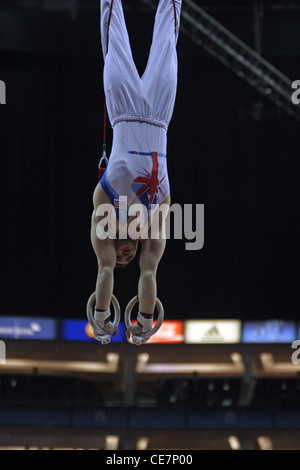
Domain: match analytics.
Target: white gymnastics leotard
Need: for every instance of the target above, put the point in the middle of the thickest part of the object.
(139, 108)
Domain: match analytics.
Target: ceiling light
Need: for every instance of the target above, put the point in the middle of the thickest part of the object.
(142, 443)
(265, 443)
(112, 442)
(234, 443)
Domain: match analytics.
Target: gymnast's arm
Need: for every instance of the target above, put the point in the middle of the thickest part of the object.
(151, 253)
(106, 255)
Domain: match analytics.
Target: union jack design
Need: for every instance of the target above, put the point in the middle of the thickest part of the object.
(146, 187)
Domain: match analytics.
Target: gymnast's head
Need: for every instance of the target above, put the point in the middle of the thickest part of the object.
(125, 251)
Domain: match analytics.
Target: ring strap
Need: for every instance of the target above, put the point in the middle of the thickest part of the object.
(102, 317)
(145, 320)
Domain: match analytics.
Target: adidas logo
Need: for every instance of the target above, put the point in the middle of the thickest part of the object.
(213, 334)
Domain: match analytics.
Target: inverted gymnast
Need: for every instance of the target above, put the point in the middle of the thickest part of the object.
(140, 110)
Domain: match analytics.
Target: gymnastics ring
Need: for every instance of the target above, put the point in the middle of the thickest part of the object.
(90, 315)
(127, 316)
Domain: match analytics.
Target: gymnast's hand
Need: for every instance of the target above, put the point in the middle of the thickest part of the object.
(134, 330)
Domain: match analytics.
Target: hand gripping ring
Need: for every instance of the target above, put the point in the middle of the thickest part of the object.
(160, 319)
(90, 311)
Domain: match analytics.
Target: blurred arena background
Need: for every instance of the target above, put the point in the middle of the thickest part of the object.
(222, 373)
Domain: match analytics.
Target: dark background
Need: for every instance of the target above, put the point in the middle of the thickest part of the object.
(228, 149)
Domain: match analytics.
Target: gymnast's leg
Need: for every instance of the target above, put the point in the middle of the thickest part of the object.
(161, 74)
(114, 36)
(165, 37)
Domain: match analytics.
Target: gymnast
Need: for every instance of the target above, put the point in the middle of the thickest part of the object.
(140, 110)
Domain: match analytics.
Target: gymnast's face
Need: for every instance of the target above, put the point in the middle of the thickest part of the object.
(125, 252)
